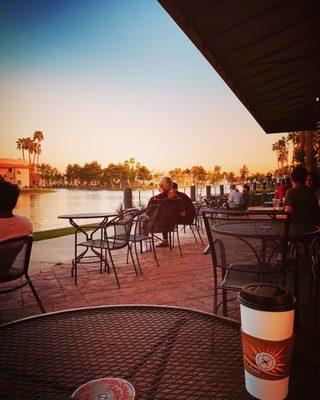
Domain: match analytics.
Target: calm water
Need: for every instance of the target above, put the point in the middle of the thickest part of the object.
(43, 208)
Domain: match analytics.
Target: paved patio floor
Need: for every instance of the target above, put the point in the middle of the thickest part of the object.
(178, 281)
(181, 281)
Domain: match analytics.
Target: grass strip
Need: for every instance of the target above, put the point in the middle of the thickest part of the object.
(54, 233)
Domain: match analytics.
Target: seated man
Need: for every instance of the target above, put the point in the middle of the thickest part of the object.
(11, 226)
(235, 199)
(301, 201)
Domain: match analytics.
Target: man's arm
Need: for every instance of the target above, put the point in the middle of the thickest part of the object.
(289, 202)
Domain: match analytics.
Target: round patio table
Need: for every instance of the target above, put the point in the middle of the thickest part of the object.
(264, 230)
(166, 353)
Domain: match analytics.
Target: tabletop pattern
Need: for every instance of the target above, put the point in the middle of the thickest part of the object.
(165, 353)
(263, 229)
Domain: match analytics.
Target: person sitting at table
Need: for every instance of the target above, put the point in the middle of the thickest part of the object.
(313, 182)
(235, 198)
(282, 189)
(245, 196)
(301, 201)
(11, 226)
(187, 212)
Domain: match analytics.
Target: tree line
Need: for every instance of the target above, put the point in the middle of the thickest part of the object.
(134, 174)
(119, 175)
(113, 176)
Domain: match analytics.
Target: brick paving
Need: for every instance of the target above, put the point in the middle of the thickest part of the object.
(178, 281)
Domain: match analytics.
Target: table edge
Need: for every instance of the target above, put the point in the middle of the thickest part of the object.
(87, 216)
(231, 321)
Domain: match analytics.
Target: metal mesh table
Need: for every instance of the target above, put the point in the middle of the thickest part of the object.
(166, 353)
(264, 229)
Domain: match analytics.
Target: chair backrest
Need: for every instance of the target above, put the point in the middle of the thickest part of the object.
(145, 220)
(119, 228)
(168, 214)
(247, 240)
(15, 257)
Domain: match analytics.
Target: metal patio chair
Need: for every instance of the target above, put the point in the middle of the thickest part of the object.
(166, 221)
(114, 235)
(245, 251)
(14, 264)
(143, 226)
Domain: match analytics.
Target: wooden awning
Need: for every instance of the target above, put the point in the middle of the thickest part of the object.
(267, 51)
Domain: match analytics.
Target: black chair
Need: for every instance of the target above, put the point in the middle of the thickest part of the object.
(14, 264)
(196, 224)
(315, 265)
(143, 226)
(239, 258)
(114, 235)
(166, 220)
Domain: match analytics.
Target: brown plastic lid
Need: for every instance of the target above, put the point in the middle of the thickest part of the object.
(266, 297)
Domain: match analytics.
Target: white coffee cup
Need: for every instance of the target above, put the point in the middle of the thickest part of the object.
(267, 318)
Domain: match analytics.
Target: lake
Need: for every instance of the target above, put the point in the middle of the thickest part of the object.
(43, 208)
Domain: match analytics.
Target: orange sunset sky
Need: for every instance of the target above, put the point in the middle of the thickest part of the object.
(107, 80)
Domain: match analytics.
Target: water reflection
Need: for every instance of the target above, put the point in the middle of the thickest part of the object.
(43, 208)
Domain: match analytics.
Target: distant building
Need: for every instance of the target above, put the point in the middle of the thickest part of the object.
(15, 171)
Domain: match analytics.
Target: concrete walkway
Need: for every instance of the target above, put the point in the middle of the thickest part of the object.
(47, 253)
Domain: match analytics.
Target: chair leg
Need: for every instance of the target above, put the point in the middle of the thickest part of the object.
(170, 241)
(178, 239)
(195, 238)
(154, 250)
(76, 271)
(127, 261)
(106, 264)
(215, 300)
(137, 256)
(101, 257)
(114, 269)
(35, 294)
(224, 303)
(133, 262)
(200, 237)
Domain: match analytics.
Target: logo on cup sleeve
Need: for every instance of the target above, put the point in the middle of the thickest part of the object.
(267, 359)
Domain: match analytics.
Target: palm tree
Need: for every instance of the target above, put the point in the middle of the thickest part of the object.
(20, 146)
(244, 172)
(309, 148)
(294, 138)
(29, 147)
(34, 150)
(38, 135)
(276, 148)
(38, 152)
